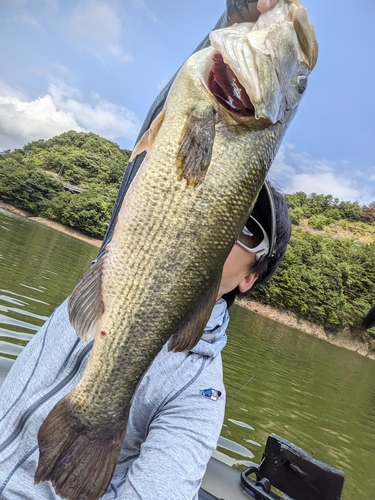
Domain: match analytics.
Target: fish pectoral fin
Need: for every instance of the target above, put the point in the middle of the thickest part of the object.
(85, 305)
(78, 460)
(195, 146)
(190, 331)
(147, 140)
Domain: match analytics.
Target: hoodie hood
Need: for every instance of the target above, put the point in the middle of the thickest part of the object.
(214, 337)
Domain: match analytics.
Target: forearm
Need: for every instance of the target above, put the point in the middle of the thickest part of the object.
(179, 444)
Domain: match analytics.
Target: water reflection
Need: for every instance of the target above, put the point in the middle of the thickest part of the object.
(240, 424)
(38, 269)
(230, 445)
(312, 393)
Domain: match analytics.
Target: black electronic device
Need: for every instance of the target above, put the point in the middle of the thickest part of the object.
(293, 472)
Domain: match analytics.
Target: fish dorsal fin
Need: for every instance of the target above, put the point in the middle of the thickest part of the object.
(196, 142)
(189, 332)
(85, 306)
(147, 140)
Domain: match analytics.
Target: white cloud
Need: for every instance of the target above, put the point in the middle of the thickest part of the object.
(119, 54)
(23, 121)
(61, 109)
(141, 7)
(97, 25)
(280, 166)
(7, 90)
(42, 11)
(294, 171)
(63, 71)
(28, 20)
(325, 183)
(99, 116)
(95, 22)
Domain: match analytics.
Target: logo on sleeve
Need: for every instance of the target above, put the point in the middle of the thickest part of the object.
(211, 394)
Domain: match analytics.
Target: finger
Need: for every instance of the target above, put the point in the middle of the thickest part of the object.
(235, 6)
(236, 18)
(265, 5)
(251, 13)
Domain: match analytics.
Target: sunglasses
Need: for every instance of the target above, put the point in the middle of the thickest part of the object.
(254, 239)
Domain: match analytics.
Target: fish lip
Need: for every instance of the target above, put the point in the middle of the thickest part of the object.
(225, 87)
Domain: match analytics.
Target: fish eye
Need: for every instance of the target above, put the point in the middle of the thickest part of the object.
(302, 84)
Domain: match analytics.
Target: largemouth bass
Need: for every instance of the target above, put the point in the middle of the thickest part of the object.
(208, 153)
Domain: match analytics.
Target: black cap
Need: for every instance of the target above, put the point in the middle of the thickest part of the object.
(264, 213)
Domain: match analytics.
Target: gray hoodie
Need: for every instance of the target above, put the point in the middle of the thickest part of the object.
(174, 424)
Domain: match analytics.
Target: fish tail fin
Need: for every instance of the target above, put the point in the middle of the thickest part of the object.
(79, 461)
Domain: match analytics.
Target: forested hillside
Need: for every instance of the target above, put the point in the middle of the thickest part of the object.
(33, 178)
(328, 276)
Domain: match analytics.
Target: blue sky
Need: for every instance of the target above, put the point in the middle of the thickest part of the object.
(97, 65)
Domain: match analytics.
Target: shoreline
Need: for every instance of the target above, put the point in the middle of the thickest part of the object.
(341, 339)
(52, 224)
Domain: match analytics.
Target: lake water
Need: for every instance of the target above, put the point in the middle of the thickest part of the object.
(316, 395)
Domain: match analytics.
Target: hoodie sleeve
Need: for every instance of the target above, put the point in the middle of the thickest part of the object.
(180, 441)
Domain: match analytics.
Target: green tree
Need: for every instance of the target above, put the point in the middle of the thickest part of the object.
(88, 212)
(328, 281)
(319, 221)
(368, 213)
(33, 178)
(27, 188)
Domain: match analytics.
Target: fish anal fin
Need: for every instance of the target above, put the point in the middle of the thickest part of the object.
(189, 332)
(147, 140)
(77, 459)
(85, 305)
(195, 146)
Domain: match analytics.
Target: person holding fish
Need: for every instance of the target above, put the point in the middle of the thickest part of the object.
(136, 413)
(178, 407)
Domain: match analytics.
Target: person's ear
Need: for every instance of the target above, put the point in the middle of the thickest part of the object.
(247, 282)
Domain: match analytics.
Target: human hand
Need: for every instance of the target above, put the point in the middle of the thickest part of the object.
(264, 5)
(240, 11)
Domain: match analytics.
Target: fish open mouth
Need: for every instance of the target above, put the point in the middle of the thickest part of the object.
(226, 88)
